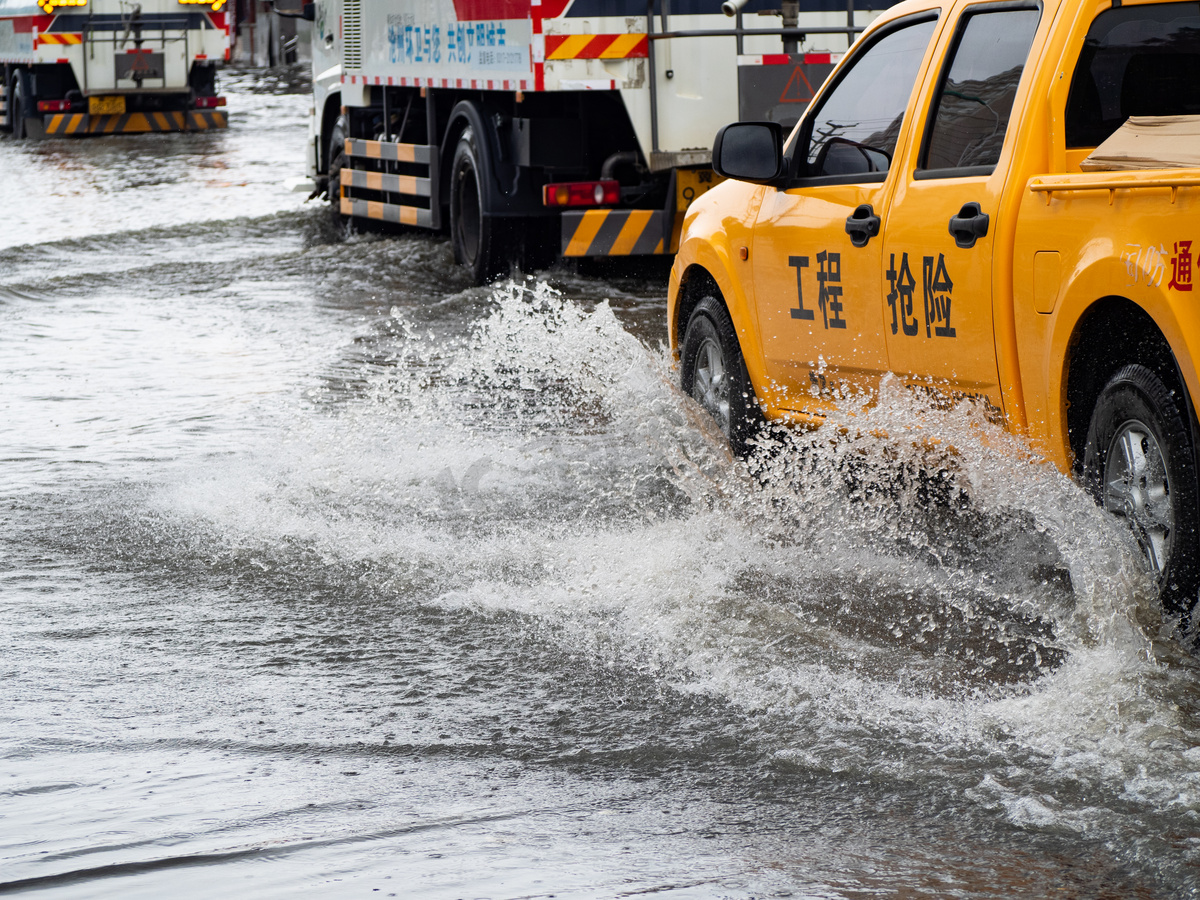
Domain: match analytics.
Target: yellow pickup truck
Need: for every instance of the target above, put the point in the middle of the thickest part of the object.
(942, 212)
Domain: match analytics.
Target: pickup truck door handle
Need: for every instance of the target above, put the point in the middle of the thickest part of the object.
(969, 225)
(862, 225)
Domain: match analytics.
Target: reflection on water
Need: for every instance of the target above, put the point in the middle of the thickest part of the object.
(68, 188)
(328, 573)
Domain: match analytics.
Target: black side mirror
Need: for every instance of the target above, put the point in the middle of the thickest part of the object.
(749, 151)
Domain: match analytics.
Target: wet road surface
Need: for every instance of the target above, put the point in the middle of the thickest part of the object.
(323, 573)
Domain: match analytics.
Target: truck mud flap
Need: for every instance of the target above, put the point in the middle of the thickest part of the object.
(134, 123)
(3, 105)
(389, 182)
(618, 232)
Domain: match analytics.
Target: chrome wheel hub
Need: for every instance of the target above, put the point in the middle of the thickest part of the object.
(710, 382)
(1136, 487)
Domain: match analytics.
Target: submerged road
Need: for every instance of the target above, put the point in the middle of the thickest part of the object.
(325, 574)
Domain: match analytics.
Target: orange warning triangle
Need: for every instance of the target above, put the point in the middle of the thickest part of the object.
(798, 89)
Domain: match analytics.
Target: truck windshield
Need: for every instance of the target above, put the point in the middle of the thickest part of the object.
(1136, 61)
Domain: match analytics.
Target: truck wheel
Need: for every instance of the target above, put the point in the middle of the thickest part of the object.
(476, 243)
(1140, 463)
(337, 159)
(713, 373)
(18, 105)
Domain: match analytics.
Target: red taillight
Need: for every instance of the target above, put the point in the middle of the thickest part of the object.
(54, 105)
(209, 102)
(582, 193)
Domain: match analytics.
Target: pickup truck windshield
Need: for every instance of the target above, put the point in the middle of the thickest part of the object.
(1136, 61)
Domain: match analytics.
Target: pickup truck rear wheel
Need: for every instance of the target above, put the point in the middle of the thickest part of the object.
(1140, 464)
(713, 373)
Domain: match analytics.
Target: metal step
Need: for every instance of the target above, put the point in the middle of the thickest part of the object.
(379, 177)
(381, 181)
(386, 151)
(386, 212)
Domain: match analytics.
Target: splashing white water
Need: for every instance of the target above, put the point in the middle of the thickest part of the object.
(890, 580)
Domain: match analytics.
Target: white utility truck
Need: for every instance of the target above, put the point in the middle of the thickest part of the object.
(76, 67)
(534, 128)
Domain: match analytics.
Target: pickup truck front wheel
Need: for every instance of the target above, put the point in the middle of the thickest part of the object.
(713, 373)
(1140, 464)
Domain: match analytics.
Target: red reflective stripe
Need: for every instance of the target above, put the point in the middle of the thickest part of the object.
(783, 59)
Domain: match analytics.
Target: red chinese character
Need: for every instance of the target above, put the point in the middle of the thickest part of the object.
(1181, 266)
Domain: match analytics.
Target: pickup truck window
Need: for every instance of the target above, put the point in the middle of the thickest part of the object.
(853, 134)
(1136, 61)
(974, 101)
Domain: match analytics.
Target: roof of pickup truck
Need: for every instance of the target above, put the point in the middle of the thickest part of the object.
(909, 6)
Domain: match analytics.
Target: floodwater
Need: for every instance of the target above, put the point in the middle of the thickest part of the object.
(325, 574)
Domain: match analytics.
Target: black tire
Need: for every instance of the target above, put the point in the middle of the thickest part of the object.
(477, 241)
(337, 159)
(18, 105)
(1140, 463)
(713, 372)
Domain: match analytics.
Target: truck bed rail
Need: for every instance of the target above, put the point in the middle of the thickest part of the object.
(1117, 183)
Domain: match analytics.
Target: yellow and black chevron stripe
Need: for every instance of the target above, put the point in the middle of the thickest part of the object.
(60, 37)
(596, 46)
(616, 232)
(135, 123)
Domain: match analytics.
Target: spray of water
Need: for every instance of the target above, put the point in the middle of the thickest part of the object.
(906, 576)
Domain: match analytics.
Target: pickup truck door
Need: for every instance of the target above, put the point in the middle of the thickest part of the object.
(937, 250)
(816, 246)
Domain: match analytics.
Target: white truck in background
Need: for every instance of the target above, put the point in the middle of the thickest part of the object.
(77, 67)
(531, 129)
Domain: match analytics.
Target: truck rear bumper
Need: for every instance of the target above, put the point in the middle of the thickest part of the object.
(76, 124)
(619, 232)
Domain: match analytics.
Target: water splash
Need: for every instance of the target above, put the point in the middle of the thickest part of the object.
(905, 593)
